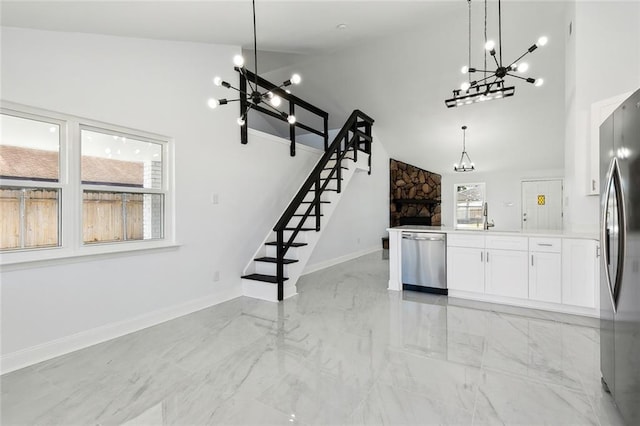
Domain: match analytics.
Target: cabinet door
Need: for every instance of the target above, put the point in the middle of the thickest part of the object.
(506, 273)
(545, 277)
(465, 269)
(579, 272)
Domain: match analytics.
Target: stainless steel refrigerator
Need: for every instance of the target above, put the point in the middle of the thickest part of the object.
(620, 268)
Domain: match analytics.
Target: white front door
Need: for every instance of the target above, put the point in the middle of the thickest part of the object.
(542, 204)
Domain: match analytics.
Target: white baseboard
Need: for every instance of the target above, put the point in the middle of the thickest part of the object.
(332, 262)
(42, 352)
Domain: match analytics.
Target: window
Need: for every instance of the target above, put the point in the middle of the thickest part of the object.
(122, 182)
(469, 204)
(80, 186)
(30, 175)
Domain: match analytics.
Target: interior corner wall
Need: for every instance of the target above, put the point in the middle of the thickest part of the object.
(361, 218)
(602, 61)
(160, 87)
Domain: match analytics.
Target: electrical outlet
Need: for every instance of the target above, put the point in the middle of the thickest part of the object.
(216, 276)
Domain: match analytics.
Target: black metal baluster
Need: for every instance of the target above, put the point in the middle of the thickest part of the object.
(292, 131)
(280, 263)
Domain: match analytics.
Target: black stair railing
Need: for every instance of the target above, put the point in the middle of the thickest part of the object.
(354, 136)
(293, 101)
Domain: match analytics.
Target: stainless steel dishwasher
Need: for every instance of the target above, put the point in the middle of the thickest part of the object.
(424, 266)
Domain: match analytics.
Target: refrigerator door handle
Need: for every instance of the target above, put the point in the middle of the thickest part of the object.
(614, 182)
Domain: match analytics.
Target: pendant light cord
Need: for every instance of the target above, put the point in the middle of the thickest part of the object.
(469, 63)
(255, 45)
(500, 30)
(485, 39)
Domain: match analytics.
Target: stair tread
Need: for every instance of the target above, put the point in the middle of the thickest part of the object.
(275, 243)
(331, 168)
(262, 277)
(301, 229)
(321, 202)
(326, 189)
(275, 260)
(310, 215)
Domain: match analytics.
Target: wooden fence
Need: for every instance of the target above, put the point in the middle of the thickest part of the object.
(102, 213)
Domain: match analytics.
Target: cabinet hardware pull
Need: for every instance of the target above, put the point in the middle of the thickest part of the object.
(481, 256)
(487, 257)
(593, 184)
(531, 260)
(545, 244)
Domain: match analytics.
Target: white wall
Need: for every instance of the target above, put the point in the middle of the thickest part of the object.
(603, 61)
(362, 217)
(160, 87)
(503, 194)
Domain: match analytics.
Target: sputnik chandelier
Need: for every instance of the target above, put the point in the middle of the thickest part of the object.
(253, 96)
(464, 166)
(484, 89)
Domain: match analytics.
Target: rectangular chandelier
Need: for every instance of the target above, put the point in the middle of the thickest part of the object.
(480, 93)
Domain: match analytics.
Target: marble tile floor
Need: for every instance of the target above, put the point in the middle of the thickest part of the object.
(344, 351)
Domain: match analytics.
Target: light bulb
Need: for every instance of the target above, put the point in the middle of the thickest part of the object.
(455, 166)
(542, 41)
(291, 119)
(217, 81)
(213, 103)
(464, 69)
(275, 100)
(296, 79)
(238, 61)
(489, 45)
(473, 166)
(465, 86)
(523, 67)
(240, 121)
(539, 82)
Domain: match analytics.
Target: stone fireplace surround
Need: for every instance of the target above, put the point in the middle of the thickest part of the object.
(414, 195)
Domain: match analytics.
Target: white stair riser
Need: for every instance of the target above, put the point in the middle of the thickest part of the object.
(292, 253)
(266, 291)
(267, 268)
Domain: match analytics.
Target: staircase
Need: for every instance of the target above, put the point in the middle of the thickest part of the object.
(280, 260)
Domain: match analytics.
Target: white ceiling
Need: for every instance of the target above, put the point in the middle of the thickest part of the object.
(301, 26)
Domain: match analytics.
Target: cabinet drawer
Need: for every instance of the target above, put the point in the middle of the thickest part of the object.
(549, 245)
(507, 243)
(465, 240)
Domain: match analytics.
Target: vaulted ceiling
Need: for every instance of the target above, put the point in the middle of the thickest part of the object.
(396, 60)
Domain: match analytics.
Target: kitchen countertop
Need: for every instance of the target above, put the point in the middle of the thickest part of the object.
(503, 232)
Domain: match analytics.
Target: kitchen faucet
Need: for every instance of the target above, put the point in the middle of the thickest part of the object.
(485, 215)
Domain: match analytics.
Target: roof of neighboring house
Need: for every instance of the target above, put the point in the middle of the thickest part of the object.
(38, 164)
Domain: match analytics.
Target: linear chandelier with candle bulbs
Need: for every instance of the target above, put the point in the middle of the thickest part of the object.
(253, 96)
(492, 85)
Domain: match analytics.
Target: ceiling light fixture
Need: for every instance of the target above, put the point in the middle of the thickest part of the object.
(484, 90)
(464, 166)
(253, 96)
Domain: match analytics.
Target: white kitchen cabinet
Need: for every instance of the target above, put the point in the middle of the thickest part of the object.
(465, 262)
(545, 269)
(465, 269)
(506, 271)
(579, 272)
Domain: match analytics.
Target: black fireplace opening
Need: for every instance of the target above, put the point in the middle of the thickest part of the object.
(415, 220)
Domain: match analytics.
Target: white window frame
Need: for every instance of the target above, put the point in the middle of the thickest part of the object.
(71, 246)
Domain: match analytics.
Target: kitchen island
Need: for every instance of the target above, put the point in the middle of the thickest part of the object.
(549, 270)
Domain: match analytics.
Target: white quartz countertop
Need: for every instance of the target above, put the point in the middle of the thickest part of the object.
(515, 232)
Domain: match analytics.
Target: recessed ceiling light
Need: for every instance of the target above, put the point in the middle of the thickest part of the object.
(341, 26)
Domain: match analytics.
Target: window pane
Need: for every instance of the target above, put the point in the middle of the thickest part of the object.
(120, 216)
(109, 159)
(30, 218)
(29, 149)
